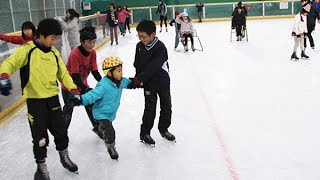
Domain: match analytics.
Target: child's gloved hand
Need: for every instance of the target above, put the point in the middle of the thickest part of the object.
(5, 84)
(87, 89)
(75, 98)
(135, 83)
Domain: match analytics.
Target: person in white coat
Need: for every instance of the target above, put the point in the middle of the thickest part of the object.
(70, 24)
(298, 31)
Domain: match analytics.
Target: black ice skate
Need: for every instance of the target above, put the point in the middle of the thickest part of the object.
(185, 48)
(66, 161)
(112, 151)
(42, 172)
(168, 136)
(294, 56)
(304, 56)
(192, 47)
(238, 38)
(147, 139)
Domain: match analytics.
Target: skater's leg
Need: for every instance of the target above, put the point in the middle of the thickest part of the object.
(165, 110)
(37, 117)
(149, 113)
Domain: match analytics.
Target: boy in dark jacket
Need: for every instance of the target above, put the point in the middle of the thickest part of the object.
(152, 70)
(239, 15)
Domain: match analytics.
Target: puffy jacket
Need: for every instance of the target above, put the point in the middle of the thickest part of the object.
(300, 24)
(106, 98)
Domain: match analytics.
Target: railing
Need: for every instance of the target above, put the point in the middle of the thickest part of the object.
(221, 10)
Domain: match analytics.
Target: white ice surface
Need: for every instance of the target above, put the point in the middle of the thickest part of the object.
(241, 110)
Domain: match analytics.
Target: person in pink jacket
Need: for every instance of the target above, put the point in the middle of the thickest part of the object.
(28, 31)
(122, 15)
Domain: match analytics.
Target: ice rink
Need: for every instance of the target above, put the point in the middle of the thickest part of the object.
(241, 111)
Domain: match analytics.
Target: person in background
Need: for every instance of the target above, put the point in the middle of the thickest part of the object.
(28, 33)
(312, 17)
(70, 24)
(112, 19)
(122, 15)
(177, 28)
(199, 7)
(127, 25)
(239, 20)
(298, 31)
(186, 29)
(162, 9)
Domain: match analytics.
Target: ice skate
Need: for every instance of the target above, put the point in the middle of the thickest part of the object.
(192, 47)
(112, 151)
(238, 38)
(161, 29)
(147, 139)
(186, 48)
(294, 56)
(166, 29)
(304, 56)
(42, 172)
(66, 161)
(168, 136)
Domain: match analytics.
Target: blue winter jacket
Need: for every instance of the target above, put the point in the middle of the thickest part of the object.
(316, 6)
(106, 98)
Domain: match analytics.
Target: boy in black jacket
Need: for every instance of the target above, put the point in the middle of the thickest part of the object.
(152, 71)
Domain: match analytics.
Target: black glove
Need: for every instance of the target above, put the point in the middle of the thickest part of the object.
(87, 89)
(135, 83)
(75, 98)
(5, 84)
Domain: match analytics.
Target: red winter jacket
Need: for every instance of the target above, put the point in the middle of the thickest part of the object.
(15, 39)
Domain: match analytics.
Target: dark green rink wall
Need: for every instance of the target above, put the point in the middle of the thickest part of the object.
(101, 5)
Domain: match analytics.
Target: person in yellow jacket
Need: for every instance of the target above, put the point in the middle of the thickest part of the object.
(40, 67)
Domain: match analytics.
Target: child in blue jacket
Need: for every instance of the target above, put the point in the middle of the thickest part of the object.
(106, 99)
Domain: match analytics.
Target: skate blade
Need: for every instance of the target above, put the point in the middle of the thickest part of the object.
(76, 172)
(151, 145)
(305, 58)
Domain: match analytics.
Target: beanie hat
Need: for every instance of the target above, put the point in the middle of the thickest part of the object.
(184, 12)
(88, 33)
(109, 63)
(240, 4)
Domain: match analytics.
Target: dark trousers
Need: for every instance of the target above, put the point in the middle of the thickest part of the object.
(238, 29)
(127, 25)
(200, 15)
(186, 35)
(310, 28)
(68, 109)
(107, 130)
(149, 113)
(43, 115)
(163, 18)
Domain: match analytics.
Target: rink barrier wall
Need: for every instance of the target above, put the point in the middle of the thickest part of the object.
(9, 107)
(211, 10)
